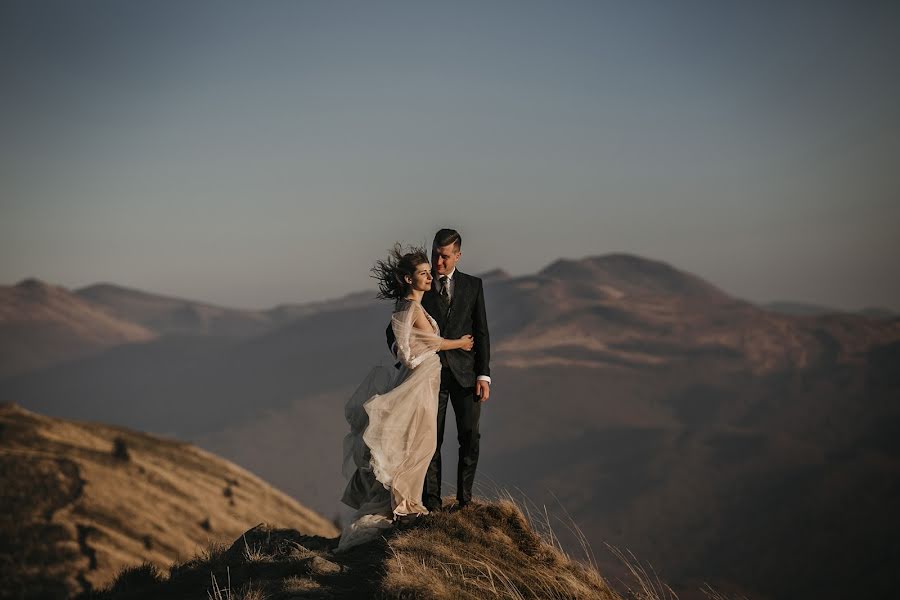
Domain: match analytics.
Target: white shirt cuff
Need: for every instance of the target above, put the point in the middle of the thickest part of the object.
(484, 378)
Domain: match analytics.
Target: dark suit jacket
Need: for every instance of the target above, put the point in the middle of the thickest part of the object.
(467, 315)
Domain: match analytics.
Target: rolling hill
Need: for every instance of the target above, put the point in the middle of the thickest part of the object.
(81, 501)
(43, 324)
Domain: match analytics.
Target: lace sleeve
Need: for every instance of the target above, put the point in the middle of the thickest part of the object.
(413, 345)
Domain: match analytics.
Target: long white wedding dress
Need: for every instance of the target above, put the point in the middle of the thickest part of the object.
(393, 431)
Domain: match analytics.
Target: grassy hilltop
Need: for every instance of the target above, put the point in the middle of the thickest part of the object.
(485, 551)
(488, 550)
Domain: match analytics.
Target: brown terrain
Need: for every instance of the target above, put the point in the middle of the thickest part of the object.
(80, 501)
(42, 324)
(756, 449)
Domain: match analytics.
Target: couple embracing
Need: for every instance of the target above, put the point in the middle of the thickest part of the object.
(439, 334)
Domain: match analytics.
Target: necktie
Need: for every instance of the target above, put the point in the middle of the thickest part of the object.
(445, 294)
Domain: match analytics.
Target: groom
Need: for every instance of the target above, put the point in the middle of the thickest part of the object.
(456, 302)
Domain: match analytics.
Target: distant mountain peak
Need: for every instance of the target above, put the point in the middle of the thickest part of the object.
(611, 261)
(32, 282)
(494, 275)
(46, 324)
(630, 273)
(34, 288)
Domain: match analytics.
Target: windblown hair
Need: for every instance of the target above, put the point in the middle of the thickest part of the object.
(390, 273)
(445, 237)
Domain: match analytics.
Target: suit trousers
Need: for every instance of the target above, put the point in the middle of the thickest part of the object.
(467, 410)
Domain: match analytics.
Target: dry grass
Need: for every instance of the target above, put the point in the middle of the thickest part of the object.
(712, 594)
(486, 551)
(246, 592)
(297, 586)
(263, 563)
(646, 584)
(503, 549)
(254, 552)
(509, 548)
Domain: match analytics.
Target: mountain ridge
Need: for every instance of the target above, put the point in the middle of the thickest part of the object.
(42, 324)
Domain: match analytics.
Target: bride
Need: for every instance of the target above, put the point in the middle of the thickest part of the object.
(393, 413)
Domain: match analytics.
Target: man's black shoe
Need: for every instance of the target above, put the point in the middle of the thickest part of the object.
(406, 519)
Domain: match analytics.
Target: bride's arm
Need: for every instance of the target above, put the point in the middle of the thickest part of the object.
(460, 344)
(464, 343)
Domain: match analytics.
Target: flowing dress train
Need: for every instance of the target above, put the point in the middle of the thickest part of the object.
(393, 431)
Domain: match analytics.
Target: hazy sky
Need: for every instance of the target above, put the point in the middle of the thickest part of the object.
(268, 152)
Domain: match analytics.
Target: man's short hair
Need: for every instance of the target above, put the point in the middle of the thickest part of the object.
(445, 237)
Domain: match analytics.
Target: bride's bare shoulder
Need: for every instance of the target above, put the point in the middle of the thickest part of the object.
(413, 312)
(403, 305)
